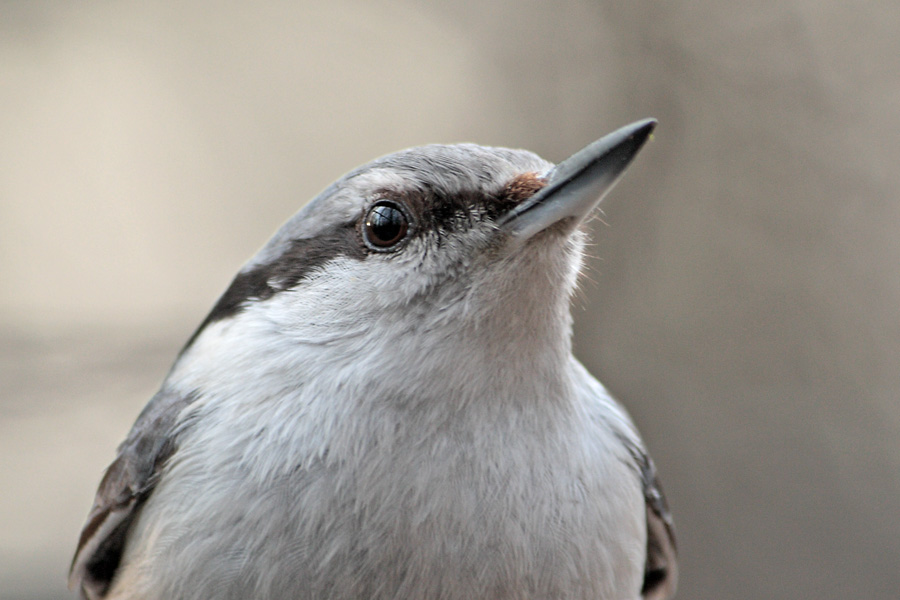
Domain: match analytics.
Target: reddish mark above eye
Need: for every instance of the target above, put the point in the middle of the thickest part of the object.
(521, 188)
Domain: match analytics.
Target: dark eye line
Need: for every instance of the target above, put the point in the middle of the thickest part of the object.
(429, 212)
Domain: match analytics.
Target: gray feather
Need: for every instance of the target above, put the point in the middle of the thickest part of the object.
(127, 482)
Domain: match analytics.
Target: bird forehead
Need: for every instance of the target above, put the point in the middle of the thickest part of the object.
(449, 169)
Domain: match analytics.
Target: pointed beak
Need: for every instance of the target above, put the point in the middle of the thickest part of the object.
(578, 184)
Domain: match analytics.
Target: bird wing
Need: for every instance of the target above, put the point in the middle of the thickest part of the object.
(661, 566)
(128, 481)
(661, 563)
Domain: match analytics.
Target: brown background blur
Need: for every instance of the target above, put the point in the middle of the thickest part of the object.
(742, 300)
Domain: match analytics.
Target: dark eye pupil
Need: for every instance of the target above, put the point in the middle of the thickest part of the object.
(385, 225)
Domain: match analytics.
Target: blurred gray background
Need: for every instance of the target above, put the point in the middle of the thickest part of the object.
(742, 299)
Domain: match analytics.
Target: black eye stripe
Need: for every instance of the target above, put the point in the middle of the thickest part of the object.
(431, 211)
(302, 257)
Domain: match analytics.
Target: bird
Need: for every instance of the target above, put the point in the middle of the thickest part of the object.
(384, 403)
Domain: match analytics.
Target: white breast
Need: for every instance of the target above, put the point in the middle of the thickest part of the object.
(319, 488)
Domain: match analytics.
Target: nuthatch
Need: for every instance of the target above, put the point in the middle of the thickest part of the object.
(384, 404)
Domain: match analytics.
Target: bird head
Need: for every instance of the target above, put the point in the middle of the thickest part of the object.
(432, 252)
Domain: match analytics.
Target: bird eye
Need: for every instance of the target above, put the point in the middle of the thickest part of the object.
(385, 226)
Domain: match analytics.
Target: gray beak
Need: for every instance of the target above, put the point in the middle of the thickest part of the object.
(576, 185)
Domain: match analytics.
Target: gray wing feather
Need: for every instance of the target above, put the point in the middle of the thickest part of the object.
(661, 564)
(128, 481)
(661, 567)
